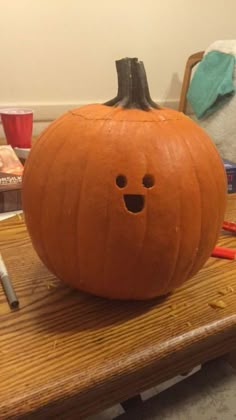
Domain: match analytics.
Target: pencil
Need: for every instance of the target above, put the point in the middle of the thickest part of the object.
(7, 286)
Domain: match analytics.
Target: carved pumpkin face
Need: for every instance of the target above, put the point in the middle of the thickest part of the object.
(135, 202)
(124, 203)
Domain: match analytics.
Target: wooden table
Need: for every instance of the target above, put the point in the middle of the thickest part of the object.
(69, 355)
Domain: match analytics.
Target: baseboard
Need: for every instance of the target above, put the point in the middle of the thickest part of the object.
(46, 113)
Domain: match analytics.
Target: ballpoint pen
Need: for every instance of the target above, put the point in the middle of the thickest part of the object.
(7, 286)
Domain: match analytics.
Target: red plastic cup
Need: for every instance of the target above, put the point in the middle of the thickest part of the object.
(18, 126)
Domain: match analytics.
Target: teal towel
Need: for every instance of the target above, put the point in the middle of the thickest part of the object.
(212, 83)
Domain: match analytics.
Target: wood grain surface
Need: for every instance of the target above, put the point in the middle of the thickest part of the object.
(66, 355)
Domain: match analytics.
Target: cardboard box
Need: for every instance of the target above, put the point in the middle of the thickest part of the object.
(11, 170)
(230, 168)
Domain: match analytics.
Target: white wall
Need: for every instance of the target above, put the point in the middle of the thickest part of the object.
(57, 54)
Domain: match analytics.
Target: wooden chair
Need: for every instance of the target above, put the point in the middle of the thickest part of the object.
(191, 62)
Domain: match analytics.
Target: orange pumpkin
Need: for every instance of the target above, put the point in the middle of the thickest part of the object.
(126, 199)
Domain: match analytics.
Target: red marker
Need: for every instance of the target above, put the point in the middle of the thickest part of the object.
(222, 252)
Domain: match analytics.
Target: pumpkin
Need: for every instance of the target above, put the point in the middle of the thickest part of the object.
(125, 199)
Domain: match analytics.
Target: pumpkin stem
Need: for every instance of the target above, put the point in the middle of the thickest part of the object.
(133, 90)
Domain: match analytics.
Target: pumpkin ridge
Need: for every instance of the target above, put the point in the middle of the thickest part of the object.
(180, 217)
(30, 165)
(191, 268)
(142, 245)
(143, 240)
(194, 270)
(63, 205)
(210, 147)
(78, 206)
(104, 275)
(63, 145)
(170, 280)
(214, 181)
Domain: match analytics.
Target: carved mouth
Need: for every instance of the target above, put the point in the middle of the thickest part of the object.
(134, 202)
